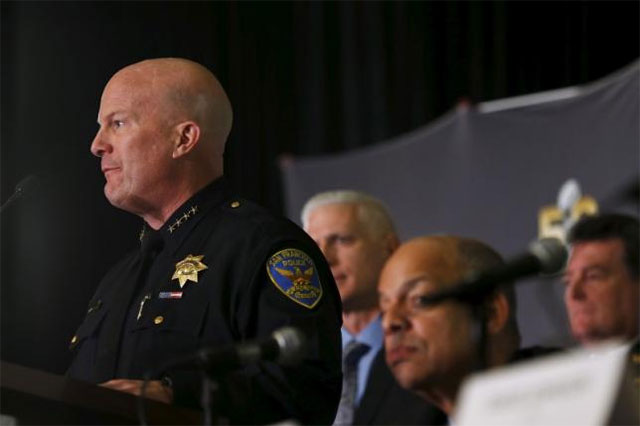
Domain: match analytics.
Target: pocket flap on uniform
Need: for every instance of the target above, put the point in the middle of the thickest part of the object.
(172, 316)
(88, 327)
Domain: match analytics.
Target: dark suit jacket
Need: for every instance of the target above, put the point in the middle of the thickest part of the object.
(385, 403)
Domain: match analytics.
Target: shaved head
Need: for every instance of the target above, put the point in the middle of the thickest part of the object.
(163, 128)
(183, 89)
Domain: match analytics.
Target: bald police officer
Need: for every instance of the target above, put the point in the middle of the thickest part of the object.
(212, 269)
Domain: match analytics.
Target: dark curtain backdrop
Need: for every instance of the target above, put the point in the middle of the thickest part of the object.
(305, 78)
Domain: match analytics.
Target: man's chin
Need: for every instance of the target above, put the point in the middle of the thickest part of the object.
(115, 198)
(406, 376)
(586, 337)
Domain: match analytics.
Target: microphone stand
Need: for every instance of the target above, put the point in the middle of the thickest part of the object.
(480, 332)
(286, 345)
(210, 389)
(209, 396)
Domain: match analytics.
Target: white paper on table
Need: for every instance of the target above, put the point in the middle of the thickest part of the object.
(577, 387)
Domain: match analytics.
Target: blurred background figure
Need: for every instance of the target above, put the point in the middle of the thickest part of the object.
(356, 235)
(601, 293)
(432, 348)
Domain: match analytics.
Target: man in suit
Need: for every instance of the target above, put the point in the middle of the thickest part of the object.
(212, 269)
(602, 283)
(432, 347)
(602, 279)
(356, 235)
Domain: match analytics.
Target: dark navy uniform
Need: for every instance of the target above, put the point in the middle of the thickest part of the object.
(221, 270)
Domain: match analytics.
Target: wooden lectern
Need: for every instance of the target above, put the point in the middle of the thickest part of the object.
(37, 397)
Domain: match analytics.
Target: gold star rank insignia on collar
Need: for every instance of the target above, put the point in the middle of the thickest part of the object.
(187, 269)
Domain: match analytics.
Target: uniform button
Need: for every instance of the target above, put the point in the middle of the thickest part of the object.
(74, 339)
(158, 319)
(235, 204)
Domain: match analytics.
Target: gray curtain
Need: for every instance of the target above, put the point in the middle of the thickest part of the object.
(486, 174)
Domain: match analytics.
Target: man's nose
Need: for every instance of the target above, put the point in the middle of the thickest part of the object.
(394, 320)
(575, 289)
(100, 145)
(329, 253)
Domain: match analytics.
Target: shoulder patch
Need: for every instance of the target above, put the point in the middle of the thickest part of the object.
(293, 272)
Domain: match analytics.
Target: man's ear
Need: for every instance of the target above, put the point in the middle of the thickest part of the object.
(188, 134)
(498, 311)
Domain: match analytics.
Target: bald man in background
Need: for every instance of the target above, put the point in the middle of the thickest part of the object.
(432, 348)
(212, 269)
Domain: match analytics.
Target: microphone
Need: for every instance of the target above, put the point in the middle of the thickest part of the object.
(546, 256)
(23, 187)
(286, 345)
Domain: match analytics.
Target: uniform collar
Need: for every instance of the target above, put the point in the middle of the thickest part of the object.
(187, 216)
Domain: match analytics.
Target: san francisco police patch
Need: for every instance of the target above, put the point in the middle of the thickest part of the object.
(295, 275)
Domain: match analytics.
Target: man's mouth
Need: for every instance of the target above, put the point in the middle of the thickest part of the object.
(339, 278)
(399, 354)
(109, 169)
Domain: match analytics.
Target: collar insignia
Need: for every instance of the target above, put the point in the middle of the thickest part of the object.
(182, 219)
(187, 269)
(143, 232)
(293, 273)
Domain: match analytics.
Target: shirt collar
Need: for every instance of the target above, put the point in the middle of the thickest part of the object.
(372, 335)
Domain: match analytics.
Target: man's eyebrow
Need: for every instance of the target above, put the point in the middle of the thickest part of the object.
(106, 117)
(408, 285)
(596, 268)
(413, 282)
(336, 234)
(591, 268)
(110, 115)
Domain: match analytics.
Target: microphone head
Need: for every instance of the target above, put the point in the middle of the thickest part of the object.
(27, 184)
(551, 253)
(292, 345)
(23, 187)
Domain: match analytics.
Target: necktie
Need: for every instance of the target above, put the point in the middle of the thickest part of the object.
(635, 362)
(352, 354)
(111, 334)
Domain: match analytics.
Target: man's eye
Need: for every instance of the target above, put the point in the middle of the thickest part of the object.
(421, 301)
(594, 276)
(347, 239)
(118, 123)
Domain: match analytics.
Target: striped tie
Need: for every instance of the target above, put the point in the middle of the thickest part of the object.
(352, 354)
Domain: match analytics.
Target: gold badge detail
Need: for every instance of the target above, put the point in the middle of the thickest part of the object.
(187, 269)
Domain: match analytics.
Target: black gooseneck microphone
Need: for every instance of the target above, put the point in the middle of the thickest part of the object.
(23, 187)
(546, 256)
(286, 345)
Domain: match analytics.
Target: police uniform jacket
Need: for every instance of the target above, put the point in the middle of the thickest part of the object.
(220, 270)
